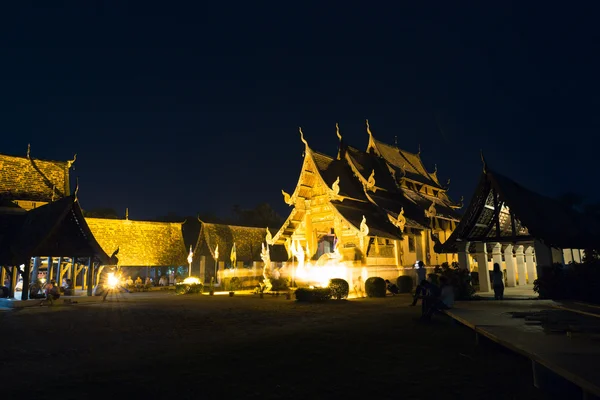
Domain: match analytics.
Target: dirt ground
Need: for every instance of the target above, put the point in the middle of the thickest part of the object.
(158, 345)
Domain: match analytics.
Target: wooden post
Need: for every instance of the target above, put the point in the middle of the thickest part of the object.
(14, 275)
(49, 269)
(90, 277)
(26, 275)
(59, 271)
(2, 275)
(35, 270)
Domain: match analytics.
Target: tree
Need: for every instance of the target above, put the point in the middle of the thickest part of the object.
(261, 216)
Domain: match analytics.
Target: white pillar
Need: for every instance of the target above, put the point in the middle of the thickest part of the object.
(484, 270)
(464, 260)
(530, 264)
(521, 271)
(497, 255)
(511, 279)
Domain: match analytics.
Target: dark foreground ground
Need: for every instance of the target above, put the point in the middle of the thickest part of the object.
(166, 346)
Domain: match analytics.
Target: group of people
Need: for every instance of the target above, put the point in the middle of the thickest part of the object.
(434, 297)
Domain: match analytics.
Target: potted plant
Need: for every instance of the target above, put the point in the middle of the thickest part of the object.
(234, 283)
(211, 290)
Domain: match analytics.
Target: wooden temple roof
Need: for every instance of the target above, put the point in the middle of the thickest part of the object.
(27, 178)
(141, 243)
(248, 243)
(504, 211)
(55, 229)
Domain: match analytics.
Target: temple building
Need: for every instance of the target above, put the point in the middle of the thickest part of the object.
(376, 208)
(43, 234)
(145, 248)
(212, 257)
(520, 230)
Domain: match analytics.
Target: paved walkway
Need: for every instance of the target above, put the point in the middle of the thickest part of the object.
(551, 334)
(524, 292)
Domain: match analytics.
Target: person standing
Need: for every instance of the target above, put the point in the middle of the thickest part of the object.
(421, 276)
(498, 282)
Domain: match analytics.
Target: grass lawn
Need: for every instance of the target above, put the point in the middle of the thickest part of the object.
(156, 345)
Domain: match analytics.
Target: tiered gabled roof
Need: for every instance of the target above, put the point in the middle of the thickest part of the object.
(27, 178)
(55, 229)
(504, 211)
(141, 243)
(248, 243)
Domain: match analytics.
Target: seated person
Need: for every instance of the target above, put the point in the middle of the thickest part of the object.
(442, 299)
(69, 288)
(52, 293)
(393, 289)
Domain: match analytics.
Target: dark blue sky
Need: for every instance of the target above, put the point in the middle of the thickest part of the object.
(196, 108)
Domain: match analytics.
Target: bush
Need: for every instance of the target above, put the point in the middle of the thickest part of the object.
(279, 284)
(404, 283)
(571, 282)
(375, 287)
(313, 295)
(339, 288)
(460, 279)
(232, 284)
(188, 288)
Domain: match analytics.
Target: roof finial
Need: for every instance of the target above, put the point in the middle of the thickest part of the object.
(483, 161)
(28, 150)
(127, 213)
(302, 137)
(76, 187)
(337, 129)
(369, 128)
(396, 140)
(419, 152)
(70, 163)
(435, 168)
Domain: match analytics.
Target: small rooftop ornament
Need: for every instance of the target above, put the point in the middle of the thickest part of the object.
(371, 181)
(269, 237)
(287, 198)
(401, 221)
(337, 129)
(336, 186)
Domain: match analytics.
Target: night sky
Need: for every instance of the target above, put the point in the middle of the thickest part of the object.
(196, 108)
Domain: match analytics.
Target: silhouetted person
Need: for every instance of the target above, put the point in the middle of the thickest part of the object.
(392, 288)
(498, 282)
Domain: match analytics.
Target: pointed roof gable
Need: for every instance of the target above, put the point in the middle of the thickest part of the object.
(498, 199)
(404, 162)
(55, 229)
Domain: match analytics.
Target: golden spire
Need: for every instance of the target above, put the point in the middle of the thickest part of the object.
(302, 137)
(70, 162)
(127, 213)
(28, 150)
(337, 131)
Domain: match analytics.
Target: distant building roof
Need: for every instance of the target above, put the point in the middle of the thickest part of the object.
(141, 243)
(23, 178)
(248, 243)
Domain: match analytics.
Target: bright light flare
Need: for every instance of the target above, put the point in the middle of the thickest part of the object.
(112, 281)
(190, 280)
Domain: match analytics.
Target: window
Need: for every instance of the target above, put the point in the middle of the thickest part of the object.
(411, 244)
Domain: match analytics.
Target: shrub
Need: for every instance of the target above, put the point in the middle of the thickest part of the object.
(233, 284)
(573, 282)
(313, 295)
(460, 278)
(339, 288)
(404, 283)
(188, 288)
(375, 287)
(279, 284)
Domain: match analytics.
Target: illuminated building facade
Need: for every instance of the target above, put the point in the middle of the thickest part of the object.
(376, 208)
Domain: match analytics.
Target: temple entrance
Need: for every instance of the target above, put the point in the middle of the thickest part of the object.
(326, 244)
